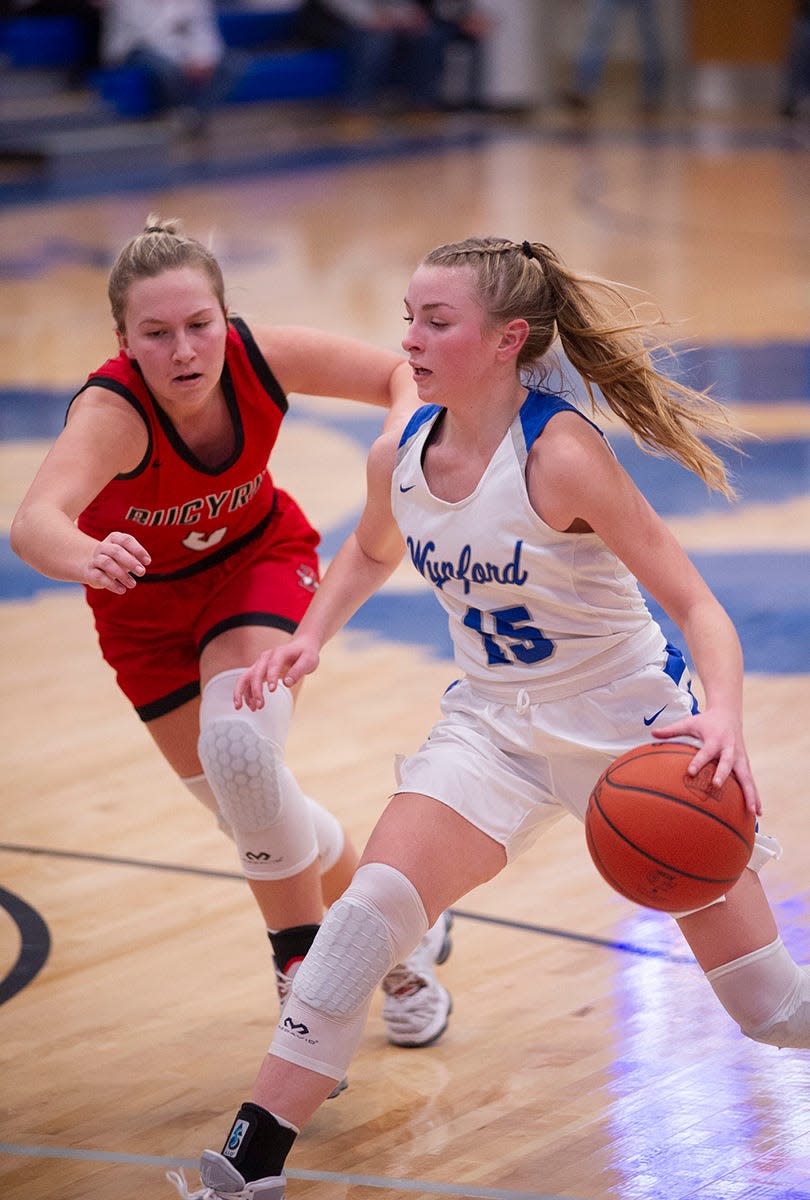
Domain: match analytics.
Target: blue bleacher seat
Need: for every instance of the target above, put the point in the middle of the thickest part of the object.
(128, 90)
(277, 67)
(250, 28)
(289, 75)
(45, 42)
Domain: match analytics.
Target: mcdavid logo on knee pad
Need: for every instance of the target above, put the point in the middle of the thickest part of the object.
(298, 1030)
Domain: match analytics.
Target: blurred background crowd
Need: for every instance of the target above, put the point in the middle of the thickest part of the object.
(71, 67)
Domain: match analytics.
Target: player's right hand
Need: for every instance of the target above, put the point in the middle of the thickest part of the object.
(116, 563)
(284, 664)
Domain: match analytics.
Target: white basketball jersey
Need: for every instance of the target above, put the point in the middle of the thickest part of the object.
(528, 607)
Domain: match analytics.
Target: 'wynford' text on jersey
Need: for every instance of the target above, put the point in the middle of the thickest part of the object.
(466, 570)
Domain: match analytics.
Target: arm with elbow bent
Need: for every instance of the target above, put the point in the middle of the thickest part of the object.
(99, 441)
(582, 481)
(315, 363)
(736, 942)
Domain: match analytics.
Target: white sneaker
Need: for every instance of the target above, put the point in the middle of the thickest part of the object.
(222, 1181)
(416, 1006)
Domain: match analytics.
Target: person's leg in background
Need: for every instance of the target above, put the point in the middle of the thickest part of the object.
(653, 73)
(591, 62)
(370, 56)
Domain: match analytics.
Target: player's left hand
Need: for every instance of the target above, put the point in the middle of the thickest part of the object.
(721, 741)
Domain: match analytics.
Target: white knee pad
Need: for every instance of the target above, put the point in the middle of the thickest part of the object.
(329, 835)
(375, 924)
(199, 786)
(767, 994)
(242, 756)
(328, 830)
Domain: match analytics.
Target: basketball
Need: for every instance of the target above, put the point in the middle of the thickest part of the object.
(663, 838)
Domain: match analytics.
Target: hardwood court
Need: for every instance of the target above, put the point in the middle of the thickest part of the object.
(586, 1056)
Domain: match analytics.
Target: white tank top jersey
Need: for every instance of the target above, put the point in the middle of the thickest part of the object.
(529, 608)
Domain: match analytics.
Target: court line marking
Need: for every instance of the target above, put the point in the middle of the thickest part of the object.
(504, 922)
(350, 1179)
(35, 944)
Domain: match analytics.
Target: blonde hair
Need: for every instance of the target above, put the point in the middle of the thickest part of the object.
(161, 246)
(605, 341)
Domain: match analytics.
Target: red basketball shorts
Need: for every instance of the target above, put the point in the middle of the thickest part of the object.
(152, 637)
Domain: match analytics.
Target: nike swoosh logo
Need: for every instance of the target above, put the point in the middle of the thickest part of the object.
(654, 717)
(409, 488)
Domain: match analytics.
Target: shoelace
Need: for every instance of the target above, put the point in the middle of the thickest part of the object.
(178, 1178)
(283, 985)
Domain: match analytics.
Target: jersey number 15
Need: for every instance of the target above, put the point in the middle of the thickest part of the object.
(511, 639)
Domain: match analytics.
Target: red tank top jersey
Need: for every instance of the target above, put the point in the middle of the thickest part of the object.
(188, 515)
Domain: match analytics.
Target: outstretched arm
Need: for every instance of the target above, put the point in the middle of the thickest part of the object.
(360, 567)
(102, 438)
(316, 363)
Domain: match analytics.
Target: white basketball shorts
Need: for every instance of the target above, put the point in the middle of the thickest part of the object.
(514, 769)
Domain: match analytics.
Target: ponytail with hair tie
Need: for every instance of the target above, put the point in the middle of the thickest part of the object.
(605, 341)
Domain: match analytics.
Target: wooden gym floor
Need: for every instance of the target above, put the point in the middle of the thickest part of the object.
(586, 1057)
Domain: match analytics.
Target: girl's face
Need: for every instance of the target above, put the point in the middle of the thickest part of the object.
(176, 330)
(448, 343)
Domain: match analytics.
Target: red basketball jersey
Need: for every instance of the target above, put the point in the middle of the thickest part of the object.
(187, 514)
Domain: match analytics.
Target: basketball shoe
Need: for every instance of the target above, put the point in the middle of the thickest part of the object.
(221, 1181)
(416, 1008)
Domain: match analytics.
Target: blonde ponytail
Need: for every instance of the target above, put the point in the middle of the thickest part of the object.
(605, 341)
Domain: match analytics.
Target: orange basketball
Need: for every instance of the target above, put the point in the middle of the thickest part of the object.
(663, 838)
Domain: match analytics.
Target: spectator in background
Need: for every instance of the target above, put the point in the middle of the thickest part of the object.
(178, 43)
(465, 22)
(591, 63)
(387, 43)
(797, 69)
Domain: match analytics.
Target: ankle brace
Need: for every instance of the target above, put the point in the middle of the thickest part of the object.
(258, 1143)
